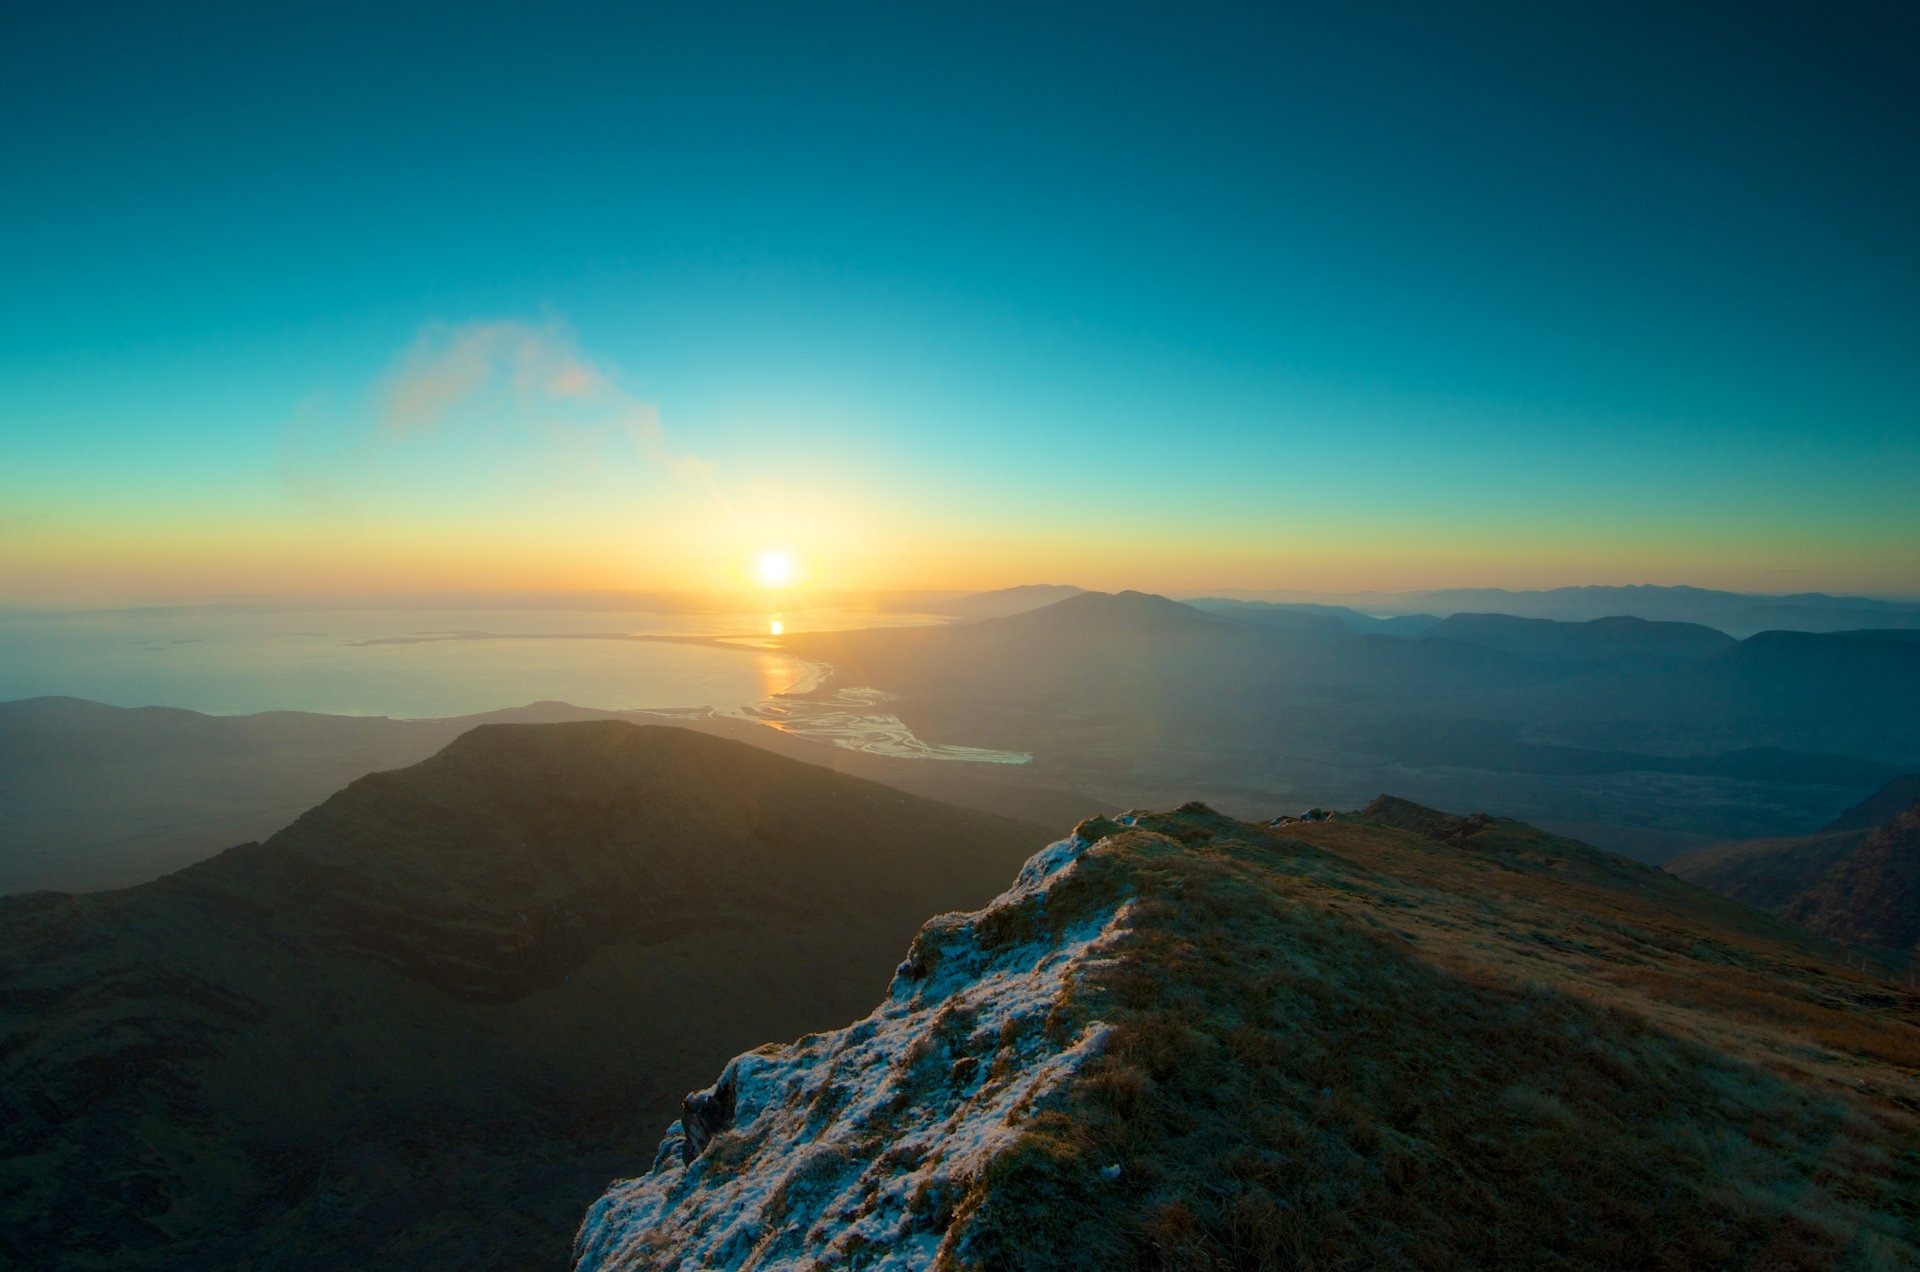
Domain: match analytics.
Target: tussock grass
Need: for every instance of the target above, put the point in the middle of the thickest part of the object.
(1358, 1053)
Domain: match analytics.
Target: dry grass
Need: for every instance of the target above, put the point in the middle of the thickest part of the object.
(1376, 1050)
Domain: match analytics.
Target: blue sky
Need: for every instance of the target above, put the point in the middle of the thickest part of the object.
(1285, 296)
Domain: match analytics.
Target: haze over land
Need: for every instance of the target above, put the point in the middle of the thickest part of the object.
(989, 637)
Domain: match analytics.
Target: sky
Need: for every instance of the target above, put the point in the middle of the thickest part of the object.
(355, 299)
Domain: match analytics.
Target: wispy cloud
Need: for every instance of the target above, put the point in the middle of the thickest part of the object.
(536, 372)
(496, 380)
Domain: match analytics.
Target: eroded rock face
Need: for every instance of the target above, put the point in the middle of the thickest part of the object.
(868, 1138)
(704, 1114)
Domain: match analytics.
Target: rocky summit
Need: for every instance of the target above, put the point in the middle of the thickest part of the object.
(1387, 1039)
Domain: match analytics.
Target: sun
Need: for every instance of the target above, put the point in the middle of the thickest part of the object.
(774, 569)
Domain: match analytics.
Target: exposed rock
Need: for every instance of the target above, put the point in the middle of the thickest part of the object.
(857, 1141)
(704, 1114)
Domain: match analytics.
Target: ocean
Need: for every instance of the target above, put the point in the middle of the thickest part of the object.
(409, 664)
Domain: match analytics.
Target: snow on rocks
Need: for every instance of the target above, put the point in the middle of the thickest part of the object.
(855, 1144)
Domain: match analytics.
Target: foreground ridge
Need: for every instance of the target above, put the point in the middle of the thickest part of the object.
(863, 1140)
(1392, 1038)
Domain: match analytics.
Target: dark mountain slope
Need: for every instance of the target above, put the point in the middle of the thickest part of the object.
(1871, 896)
(1767, 873)
(423, 1024)
(94, 796)
(1882, 806)
(1859, 884)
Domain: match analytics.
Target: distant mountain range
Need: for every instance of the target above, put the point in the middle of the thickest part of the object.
(426, 1023)
(1306, 617)
(1646, 736)
(1392, 1039)
(1415, 613)
(1736, 613)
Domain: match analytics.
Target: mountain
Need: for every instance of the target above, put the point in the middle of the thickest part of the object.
(1856, 881)
(93, 796)
(1006, 601)
(1872, 895)
(1851, 693)
(1284, 617)
(1283, 614)
(424, 1024)
(1648, 738)
(1614, 639)
(1882, 806)
(1390, 1039)
(1738, 613)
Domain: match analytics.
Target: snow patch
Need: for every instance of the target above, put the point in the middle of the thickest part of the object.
(858, 1141)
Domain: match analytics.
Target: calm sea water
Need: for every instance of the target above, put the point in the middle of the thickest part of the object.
(407, 663)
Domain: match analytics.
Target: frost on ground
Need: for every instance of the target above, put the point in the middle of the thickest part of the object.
(858, 1147)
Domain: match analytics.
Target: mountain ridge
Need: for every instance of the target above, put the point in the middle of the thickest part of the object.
(1393, 1038)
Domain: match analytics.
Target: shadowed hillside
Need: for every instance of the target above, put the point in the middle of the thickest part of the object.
(1882, 806)
(94, 796)
(1856, 884)
(425, 1023)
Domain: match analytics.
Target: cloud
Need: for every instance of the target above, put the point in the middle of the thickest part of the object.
(536, 373)
(494, 382)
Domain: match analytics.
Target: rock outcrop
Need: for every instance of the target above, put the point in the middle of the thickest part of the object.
(866, 1139)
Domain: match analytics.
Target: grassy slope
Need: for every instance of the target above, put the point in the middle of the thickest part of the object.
(1350, 1045)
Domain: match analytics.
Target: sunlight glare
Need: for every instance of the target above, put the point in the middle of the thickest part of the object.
(775, 569)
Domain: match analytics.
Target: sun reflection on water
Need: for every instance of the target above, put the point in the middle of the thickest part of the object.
(779, 675)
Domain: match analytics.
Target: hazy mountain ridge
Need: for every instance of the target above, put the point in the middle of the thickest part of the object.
(1467, 1043)
(1292, 613)
(1614, 638)
(1737, 613)
(1006, 601)
(94, 796)
(1775, 733)
(427, 1021)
